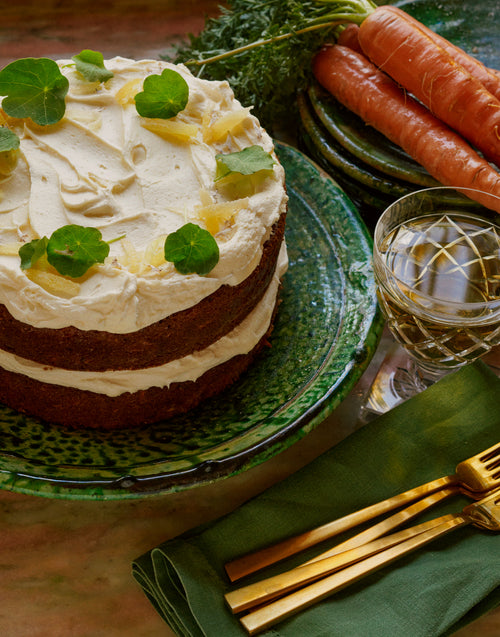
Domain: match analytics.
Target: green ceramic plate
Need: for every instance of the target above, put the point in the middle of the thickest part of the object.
(369, 202)
(470, 24)
(364, 142)
(341, 160)
(326, 332)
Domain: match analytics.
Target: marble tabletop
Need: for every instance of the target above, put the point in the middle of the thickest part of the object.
(66, 565)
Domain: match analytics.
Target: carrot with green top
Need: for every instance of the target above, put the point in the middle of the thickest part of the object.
(477, 69)
(489, 78)
(401, 49)
(361, 87)
(349, 36)
(274, 39)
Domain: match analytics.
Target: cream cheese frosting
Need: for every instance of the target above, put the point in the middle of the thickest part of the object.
(240, 340)
(100, 167)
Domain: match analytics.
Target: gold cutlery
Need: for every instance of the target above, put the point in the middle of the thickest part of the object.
(476, 475)
(484, 514)
(338, 557)
(265, 590)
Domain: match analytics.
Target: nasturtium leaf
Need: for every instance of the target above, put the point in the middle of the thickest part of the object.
(163, 96)
(91, 65)
(73, 249)
(32, 251)
(8, 139)
(248, 161)
(9, 151)
(192, 250)
(35, 88)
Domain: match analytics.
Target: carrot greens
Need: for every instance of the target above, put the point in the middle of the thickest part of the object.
(264, 48)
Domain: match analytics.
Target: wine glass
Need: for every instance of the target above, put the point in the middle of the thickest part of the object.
(436, 260)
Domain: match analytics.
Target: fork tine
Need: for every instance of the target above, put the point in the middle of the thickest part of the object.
(492, 452)
(481, 472)
(491, 460)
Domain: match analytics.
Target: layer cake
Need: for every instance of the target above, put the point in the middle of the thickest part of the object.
(136, 339)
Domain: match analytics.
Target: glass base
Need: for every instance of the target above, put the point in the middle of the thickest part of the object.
(398, 378)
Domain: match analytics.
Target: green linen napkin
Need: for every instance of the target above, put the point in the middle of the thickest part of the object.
(432, 592)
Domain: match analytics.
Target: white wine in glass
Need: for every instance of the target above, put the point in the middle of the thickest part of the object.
(437, 266)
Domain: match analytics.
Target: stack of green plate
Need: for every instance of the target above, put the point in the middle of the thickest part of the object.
(373, 171)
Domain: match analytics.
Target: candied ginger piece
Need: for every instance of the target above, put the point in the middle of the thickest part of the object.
(154, 254)
(91, 120)
(54, 283)
(205, 197)
(216, 214)
(172, 130)
(131, 258)
(226, 124)
(125, 95)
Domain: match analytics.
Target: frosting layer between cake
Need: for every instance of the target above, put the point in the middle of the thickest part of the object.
(241, 340)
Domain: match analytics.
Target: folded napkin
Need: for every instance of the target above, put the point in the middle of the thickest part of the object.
(432, 592)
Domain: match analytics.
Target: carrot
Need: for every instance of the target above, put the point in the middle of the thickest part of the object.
(364, 89)
(489, 78)
(349, 37)
(477, 69)
(425, 69)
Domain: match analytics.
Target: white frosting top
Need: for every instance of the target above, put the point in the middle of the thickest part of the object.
(99, 166)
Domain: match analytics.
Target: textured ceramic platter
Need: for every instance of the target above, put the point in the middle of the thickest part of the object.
(327, 329)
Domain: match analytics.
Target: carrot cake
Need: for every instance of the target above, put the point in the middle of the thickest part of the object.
(141, 242)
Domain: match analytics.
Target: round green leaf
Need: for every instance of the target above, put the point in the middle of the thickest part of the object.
(248, 161)
(8, 139)
(73, 249)
(30, 252)
(192, 250)
(35, 88)
(163, 96)
(91, 65)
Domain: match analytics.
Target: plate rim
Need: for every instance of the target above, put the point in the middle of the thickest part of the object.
(211, 470)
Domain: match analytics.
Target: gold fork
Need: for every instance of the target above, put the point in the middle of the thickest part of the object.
(352, 550)
(484, 514)
(477, 474)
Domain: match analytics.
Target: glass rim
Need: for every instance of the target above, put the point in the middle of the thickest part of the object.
(379, 262)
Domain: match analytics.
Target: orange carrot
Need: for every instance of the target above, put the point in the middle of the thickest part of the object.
(349, 37)
(425, 69)
(362, 88)
(489, 78)
(477, 69)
